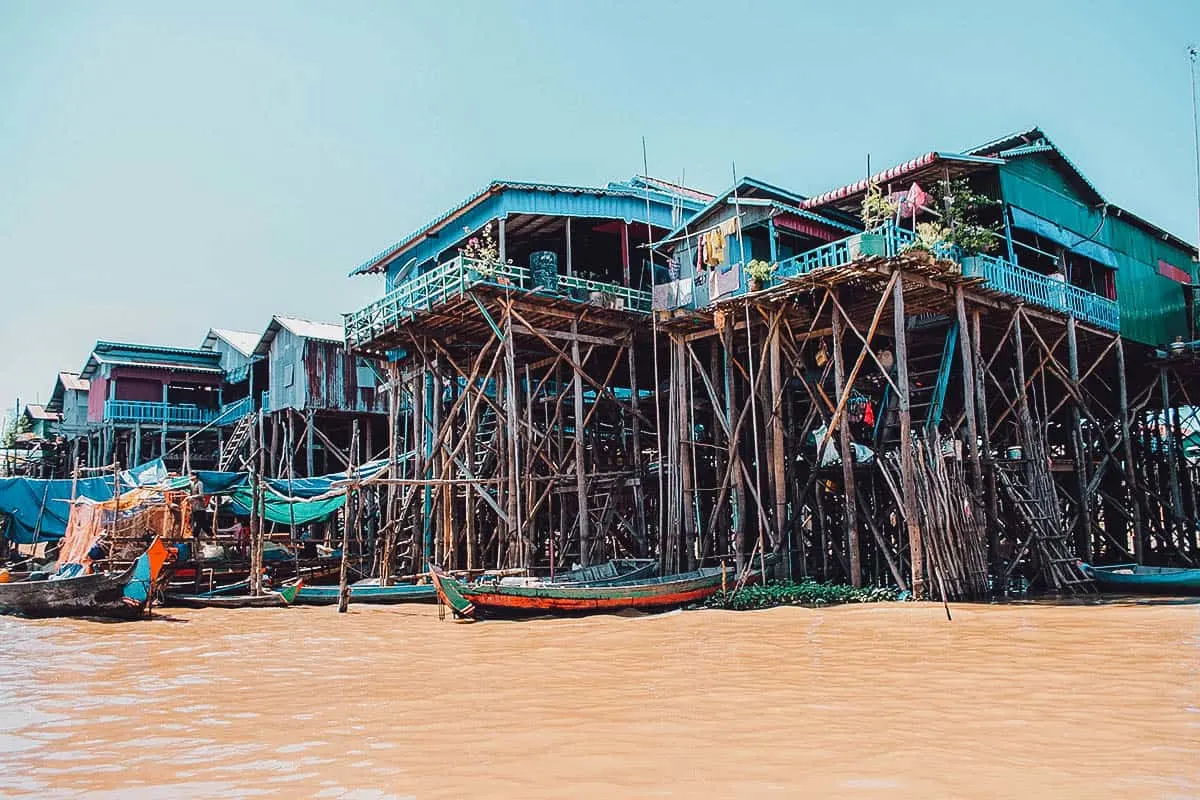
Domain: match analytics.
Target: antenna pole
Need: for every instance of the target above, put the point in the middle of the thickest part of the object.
(1193, 55)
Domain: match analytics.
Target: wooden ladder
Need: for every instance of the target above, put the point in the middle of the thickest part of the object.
(237, 439)
(1060, 568)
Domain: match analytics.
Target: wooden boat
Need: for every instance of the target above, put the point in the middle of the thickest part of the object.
(368, 593)
(618, 570)
(278, 599)
(496, 600)
(1135, 578)
(111, 595)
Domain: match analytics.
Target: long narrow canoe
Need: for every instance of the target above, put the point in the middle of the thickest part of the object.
(366, 593)
(483, 600)
(110, 595)
(279, 599)
(1134, 578)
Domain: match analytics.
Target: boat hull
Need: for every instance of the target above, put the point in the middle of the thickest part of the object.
(1134, 579)
(659, 594)
(101, 595)
(270, 600)
(369, 595)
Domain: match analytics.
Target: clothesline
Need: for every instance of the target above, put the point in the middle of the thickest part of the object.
(684, 237)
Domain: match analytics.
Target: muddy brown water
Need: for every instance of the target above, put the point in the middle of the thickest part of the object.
(855, 701)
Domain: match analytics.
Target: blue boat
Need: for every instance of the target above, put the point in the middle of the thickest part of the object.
(367, 593)
(1137, 579)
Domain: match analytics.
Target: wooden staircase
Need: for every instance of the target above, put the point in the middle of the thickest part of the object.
(931, 361)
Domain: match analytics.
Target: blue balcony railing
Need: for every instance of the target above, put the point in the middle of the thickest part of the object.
(453, 278)
(999, 275)
(130, 411)
(1041, 290)
(232, 412)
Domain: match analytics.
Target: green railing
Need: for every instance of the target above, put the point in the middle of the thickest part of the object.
(453, 278)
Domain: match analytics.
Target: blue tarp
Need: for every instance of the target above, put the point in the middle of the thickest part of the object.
(213, 482)
(38, 509)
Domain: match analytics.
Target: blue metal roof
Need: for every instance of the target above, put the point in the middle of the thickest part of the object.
(636, 188)
(151, 356)
(781, 199)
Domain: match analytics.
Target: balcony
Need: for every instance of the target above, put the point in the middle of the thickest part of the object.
(1040, 290)
(454, 278)
(146, 413)
(998, 275)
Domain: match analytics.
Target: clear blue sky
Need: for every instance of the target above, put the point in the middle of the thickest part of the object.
(170, 167)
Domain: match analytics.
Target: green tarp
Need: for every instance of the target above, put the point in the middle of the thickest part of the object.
(282, 511)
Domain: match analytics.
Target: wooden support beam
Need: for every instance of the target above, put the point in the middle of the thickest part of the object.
(907, 466)
(846, 449)
(1083, 531)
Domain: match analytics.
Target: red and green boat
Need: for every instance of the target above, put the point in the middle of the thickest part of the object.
(473, 601)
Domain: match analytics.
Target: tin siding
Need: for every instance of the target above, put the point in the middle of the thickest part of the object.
(1153, 309)
(288, 386)
(332, 378)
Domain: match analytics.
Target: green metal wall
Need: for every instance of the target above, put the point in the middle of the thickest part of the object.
(1152, 306)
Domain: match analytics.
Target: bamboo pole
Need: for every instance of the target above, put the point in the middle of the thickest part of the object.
(353, 497)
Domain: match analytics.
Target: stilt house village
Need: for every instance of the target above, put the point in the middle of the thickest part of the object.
(964, 375)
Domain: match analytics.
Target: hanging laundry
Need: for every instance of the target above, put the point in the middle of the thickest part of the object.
(729, 227)
(714, 248)
(868, 416)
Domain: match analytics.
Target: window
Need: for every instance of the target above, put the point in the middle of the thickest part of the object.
(289, 374)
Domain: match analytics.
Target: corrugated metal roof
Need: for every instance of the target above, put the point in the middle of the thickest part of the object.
(152, 356)
(895, 173)
(326, 331)
(72, 382)
(37, 411)
(304, 328)
(615, 189)
(242, 341)
(1034, 140)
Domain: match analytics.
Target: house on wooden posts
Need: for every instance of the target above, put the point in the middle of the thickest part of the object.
(243, 390)
(313, 393)
(149, 401)
(38, 450)
(989, 304)
(516, 328)
(43, 424)
(69, 398)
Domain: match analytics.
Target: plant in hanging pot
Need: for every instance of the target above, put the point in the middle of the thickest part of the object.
(759, 272)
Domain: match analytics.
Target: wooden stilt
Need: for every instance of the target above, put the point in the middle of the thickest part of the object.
(908, 485)
(847, 454)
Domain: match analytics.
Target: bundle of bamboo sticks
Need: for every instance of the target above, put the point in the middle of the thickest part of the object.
(952, 533)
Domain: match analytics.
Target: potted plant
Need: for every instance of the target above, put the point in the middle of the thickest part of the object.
(876, 211)
(966, 235)
(480, 254)
(759, 272)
